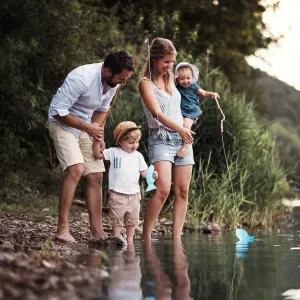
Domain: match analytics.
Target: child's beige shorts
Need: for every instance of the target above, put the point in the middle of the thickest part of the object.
(71, 150)
(124, 210)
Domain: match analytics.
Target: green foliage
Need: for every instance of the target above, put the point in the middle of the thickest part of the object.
(229, 29)
(41, 41)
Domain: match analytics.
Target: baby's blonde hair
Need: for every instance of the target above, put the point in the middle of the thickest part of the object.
(136, 134)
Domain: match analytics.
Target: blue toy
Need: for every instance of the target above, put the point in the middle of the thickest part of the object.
(243, 236)
(241, 249)
(150, 179)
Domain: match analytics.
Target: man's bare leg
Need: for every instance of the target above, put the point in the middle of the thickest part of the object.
(94, 205)
(187, 123)
(66, 196)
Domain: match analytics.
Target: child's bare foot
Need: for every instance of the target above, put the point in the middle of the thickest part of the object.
(129, 242)
(118, 240)
(183, 150)
(65, 237)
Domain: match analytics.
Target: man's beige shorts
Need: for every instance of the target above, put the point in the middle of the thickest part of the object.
(124, 210)
(71, 150)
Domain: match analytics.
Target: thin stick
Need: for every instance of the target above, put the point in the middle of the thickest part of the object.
(111, 105)
(222, 129)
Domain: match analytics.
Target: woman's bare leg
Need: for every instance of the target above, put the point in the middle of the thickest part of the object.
(180, 267)
(163, 184)
(181, 177)
(187, 123)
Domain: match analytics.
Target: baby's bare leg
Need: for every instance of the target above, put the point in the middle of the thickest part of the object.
(187, 123)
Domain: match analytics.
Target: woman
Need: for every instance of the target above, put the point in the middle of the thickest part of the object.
(161, 102)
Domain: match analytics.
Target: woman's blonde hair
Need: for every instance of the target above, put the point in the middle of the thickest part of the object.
(159, 48)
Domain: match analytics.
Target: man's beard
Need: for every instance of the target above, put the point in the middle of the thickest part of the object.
(109, 82)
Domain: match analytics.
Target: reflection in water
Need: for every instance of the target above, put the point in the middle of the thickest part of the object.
(125, 275)
(212, 267)
(160, 285)
(241, 249)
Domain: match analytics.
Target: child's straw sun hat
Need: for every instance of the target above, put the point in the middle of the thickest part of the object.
(122, 128)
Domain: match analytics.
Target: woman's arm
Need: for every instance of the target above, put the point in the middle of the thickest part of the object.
(147, 93)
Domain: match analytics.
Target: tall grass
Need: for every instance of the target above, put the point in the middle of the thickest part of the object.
(247, 184)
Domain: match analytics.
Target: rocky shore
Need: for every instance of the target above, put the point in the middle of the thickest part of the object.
(33, 265)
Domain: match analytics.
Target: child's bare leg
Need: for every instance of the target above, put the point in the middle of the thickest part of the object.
(130, 234)
(116, 231)
(187, 123)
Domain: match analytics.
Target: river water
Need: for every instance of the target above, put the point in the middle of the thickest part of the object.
(207, 267)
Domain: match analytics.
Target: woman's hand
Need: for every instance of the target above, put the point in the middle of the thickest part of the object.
(186, 135)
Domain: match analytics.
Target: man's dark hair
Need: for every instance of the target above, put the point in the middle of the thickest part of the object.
(118, 61)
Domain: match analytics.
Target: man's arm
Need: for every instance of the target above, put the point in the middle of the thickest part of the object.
(99, 117)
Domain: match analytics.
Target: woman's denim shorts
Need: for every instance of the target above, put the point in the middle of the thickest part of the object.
(160, 150)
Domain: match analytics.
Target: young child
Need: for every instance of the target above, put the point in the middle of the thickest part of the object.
(186, 76)
(126, 166)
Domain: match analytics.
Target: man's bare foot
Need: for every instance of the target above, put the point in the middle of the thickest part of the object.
(98, 235)
(183, 151)
(65, 237)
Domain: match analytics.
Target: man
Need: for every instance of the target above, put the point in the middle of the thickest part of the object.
(76, 114)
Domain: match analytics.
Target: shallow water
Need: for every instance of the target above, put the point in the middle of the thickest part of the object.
(206, 267)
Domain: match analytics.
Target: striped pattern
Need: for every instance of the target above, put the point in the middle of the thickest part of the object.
(169, 105)
(117, 162)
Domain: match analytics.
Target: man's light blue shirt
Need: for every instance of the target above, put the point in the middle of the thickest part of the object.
(80, 95)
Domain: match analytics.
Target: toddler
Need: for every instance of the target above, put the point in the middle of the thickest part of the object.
(126, 166)
(186, 76)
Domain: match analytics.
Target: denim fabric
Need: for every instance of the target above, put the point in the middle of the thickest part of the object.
(160, 150)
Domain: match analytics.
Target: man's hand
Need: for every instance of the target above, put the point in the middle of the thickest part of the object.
(95, 131)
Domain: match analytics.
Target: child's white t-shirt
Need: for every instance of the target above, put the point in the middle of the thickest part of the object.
(124, 170)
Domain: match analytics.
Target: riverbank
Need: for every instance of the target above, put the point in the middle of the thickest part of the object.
(34, 265)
